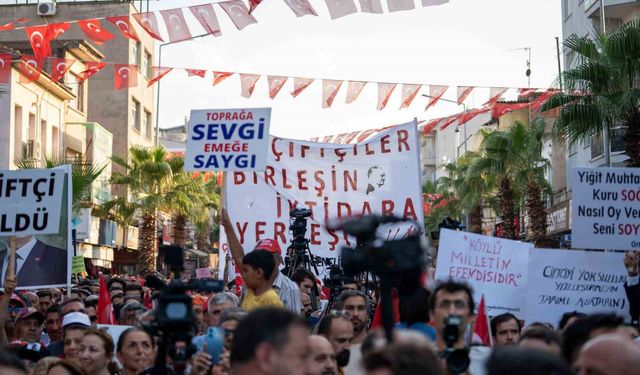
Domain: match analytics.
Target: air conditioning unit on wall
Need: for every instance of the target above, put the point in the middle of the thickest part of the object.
(47, 8)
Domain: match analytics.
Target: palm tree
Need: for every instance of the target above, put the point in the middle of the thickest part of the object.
(602, 88)
(83, 174)
(514, 158)
(121, 210)
(149, 177)
(474, 191)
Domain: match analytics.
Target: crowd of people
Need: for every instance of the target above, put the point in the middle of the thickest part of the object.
(281, 325)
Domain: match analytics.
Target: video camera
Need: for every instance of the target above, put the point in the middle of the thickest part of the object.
(457, 359)
(174, 319)
(298, 228)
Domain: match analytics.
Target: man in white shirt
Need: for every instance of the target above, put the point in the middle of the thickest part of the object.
(37, 264)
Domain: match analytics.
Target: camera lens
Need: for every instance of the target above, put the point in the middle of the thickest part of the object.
(458, 361)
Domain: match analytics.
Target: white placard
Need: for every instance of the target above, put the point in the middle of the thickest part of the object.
(574, 280)
(30, 201)
(379, 176)
(492, 266)
(228, 139)
(606, 208)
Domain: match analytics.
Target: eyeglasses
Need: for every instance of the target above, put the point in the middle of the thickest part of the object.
(229, 332)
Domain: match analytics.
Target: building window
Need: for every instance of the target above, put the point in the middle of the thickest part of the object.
(147, 64)
(597, 145)
(617, 139)
(136, 53)
(135, 114)
(148, 127)
(565, 9)
(77, 88)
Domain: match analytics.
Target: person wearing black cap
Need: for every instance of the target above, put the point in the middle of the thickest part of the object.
(29, 331)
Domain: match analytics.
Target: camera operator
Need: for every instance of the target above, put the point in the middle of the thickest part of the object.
(288, 291)
(451, 308)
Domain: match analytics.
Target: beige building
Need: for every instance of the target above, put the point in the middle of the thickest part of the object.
(128, 114)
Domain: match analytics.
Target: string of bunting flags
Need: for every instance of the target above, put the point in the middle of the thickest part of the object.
(126, 76)
(40, 36)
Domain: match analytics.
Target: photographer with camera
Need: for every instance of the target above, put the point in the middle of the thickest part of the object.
(451, 309)
(288, 291)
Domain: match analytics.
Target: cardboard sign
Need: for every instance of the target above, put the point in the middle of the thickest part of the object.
(572, 280)
(30, 201)
(606, 208)
(203, 273)
(380, 175)
(228, 140)
(492, 266)
(78, 265)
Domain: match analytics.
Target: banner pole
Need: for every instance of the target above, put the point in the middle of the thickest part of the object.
(11, 267)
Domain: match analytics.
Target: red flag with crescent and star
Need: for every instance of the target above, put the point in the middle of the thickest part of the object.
(91, 68)
(59, 68)
(206, 15)
(157, 72)
(149, 23)
(30, 67)
(176, 25)
(124, 25)
(94, 31)
(124, 76)
(38, 37)
(5, 67)
(105, 307)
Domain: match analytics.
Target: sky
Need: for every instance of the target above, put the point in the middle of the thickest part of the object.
(464, 42)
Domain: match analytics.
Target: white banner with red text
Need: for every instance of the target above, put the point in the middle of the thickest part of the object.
(378, 176)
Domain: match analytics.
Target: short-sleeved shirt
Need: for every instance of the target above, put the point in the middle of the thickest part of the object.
(267, 299)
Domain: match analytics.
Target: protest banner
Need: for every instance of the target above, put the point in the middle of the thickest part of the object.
(227, 139)
(30, 201)
(492, 266)
(203, 273)
(562, 281)
(379, 176)
(35, 211)
(606, 208)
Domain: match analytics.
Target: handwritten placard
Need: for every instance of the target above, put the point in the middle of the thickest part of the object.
(493, 266)
(573, 280)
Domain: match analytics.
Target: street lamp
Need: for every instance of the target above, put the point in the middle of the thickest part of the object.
(464, 109)
(158, 96)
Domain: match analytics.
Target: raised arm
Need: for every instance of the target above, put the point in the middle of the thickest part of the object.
(237, 252)
(9, 286)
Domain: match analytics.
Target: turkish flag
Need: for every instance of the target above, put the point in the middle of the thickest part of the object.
(59, 68)
(469, 115)
(124, 25)
(220, 76)
(207, 18)
(494, 95)
(91, 68)
(38, 37)
(428, 3)
(5, 67)
(399, 5)
(540, 100)
(354, 88)
(94, 31)
(149, 22)
(11, 24)
(450, 120)
(384, 93)
(196, 72)
(435, 93)
(340, 8)
(247, 84)
(275, 84)
(157, 72)
(30, 67)
(176, 25)
(54, 30)
(301, 7)
(524, 93)
(371, 6)
(330, 89)
(253, 4)
(238, 12)
(430, 125)
(481, 328)
(409, 93)
(124, 76)
(463, 92)
(104, 311)
(299, 84)
(501, 109)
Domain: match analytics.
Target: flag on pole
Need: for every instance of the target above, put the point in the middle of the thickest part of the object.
(482, 327)
(105, 307)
